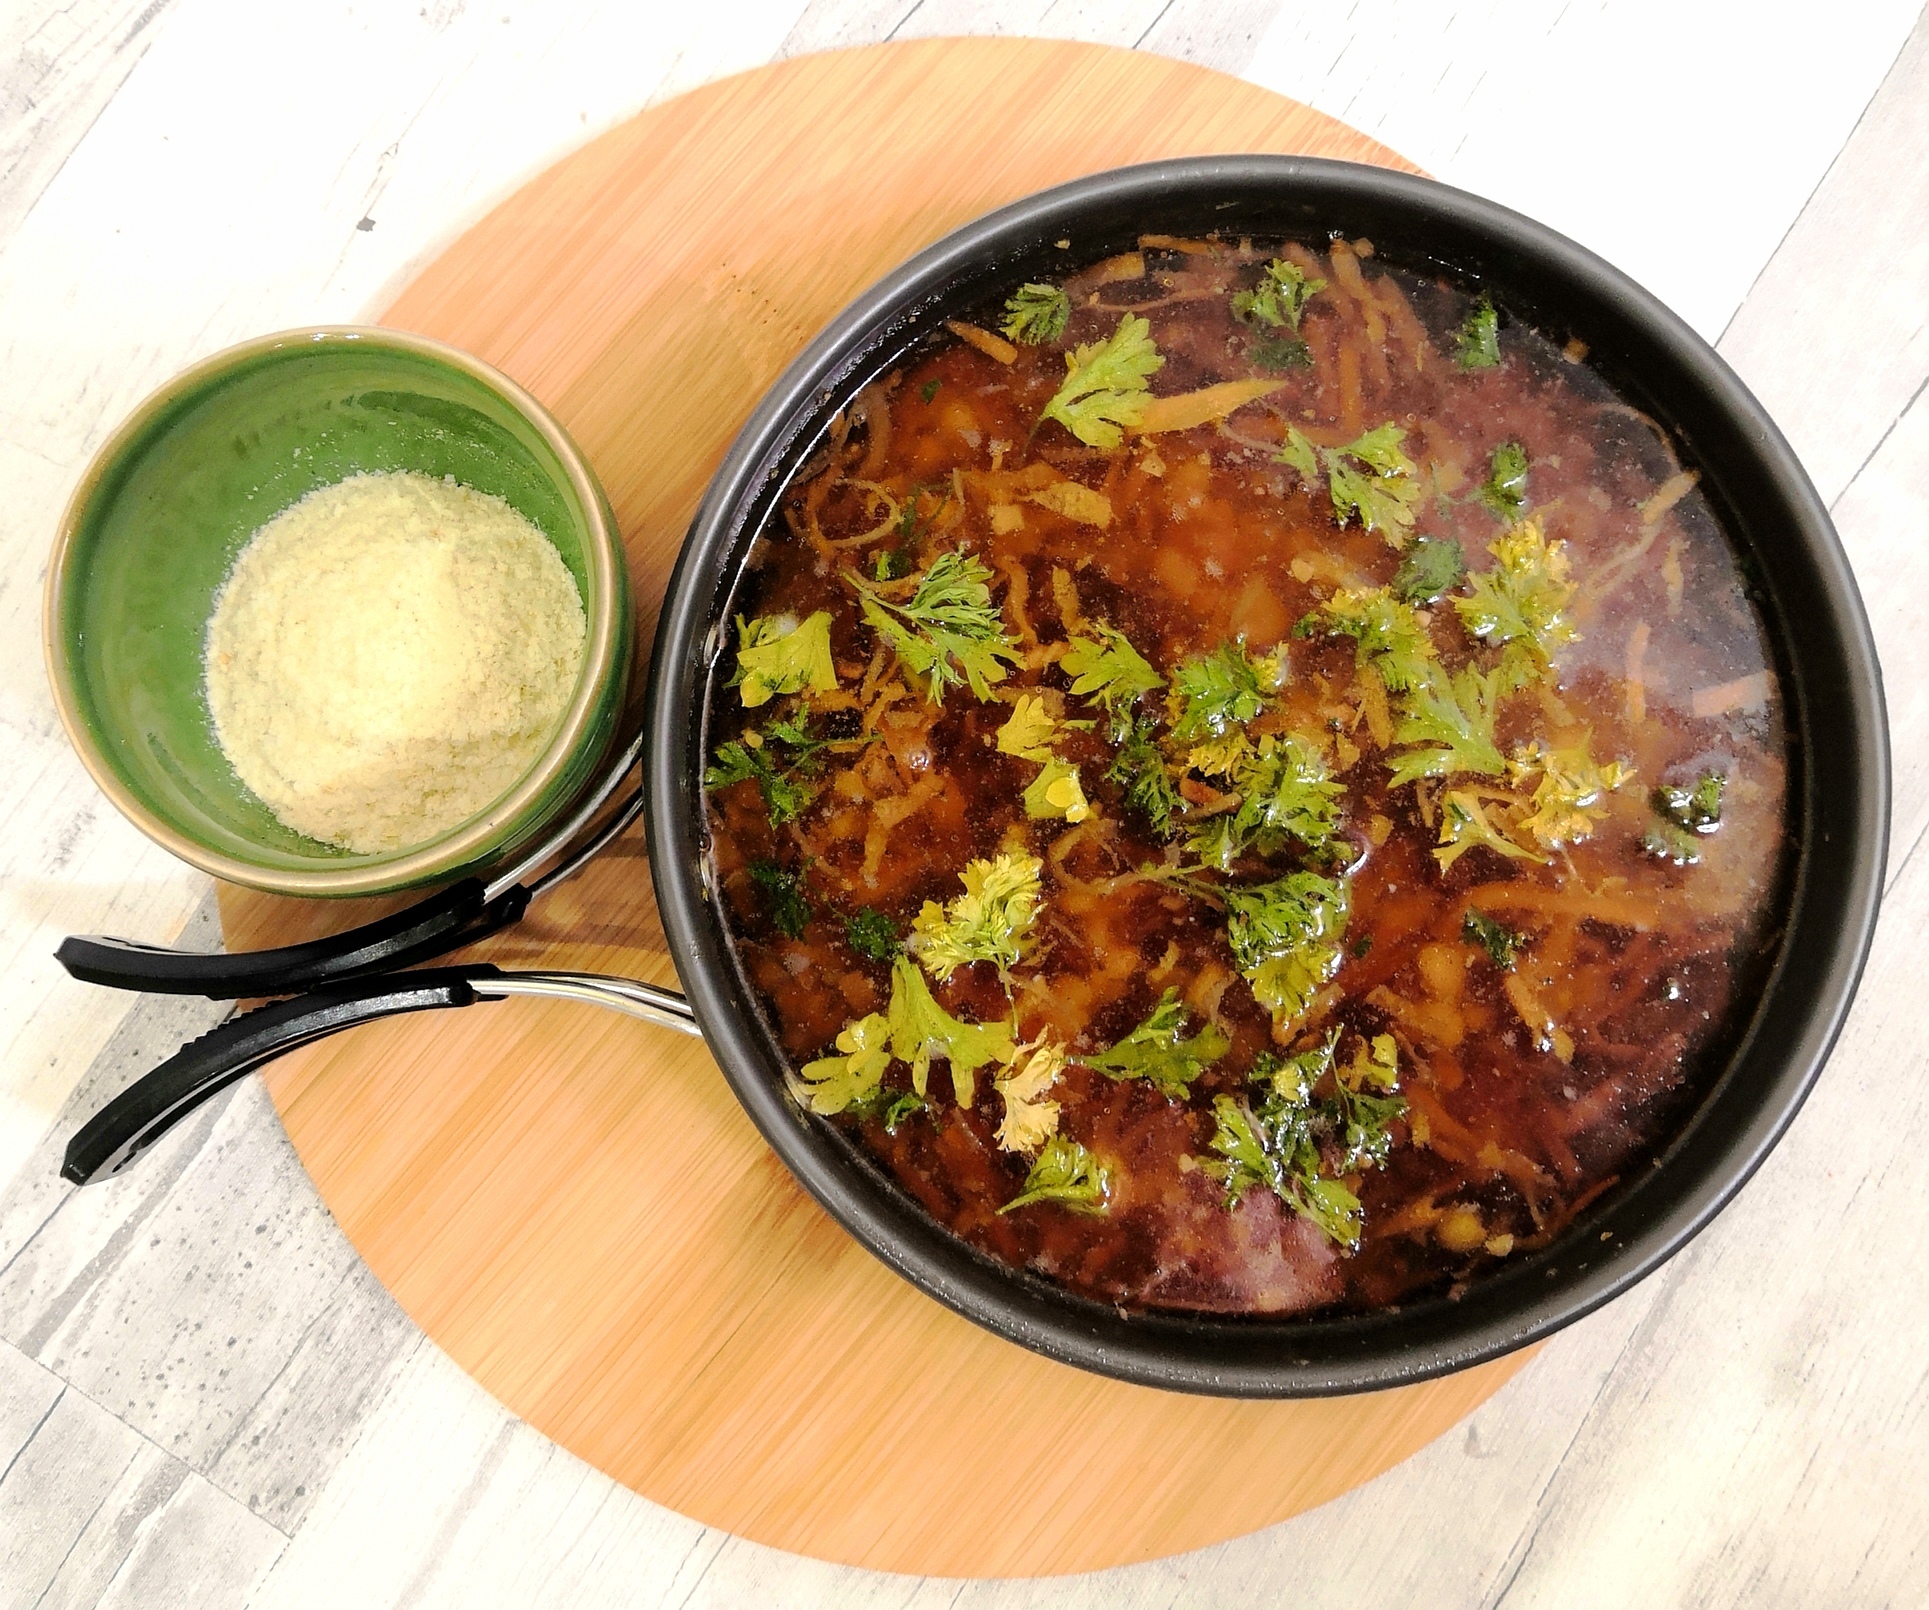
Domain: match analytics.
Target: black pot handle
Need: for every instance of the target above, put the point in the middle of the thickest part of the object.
(116, 1135)
(446, 921)
(456, 916)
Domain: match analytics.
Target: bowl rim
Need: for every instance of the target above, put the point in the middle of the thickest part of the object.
(482, 838)
(1833, 891)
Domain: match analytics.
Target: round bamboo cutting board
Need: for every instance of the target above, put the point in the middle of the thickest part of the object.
(571, 1203)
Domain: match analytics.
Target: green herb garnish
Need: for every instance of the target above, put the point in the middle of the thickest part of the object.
(928, 390)
(1453, 716)
(1139, 768)
(1221, 690)
(1432, 566)
(889, 1107)
(1505, 489)
(776, 654)
(1035, 314)
(852, 1076)
(1500, 942)
(1106, 384)
(1285, 938)
(871, 934)
(990, 922)
(779, 759)
(783, 896)
(1521, 603)
(1698, 809)
(1065, 1173)
(1478, 341)
(1682, 816)
(1370, 477)
(1279, 298)
(1157, 1051)
(1279, 352)
(949, 631)
(1569, 790)
(1106, 669)
(923, 1031)
(1389, 637)
(1277, 1144)
(1464, 826)
(1285, 792)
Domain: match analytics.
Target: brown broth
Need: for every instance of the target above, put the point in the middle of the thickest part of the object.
(1635, 961)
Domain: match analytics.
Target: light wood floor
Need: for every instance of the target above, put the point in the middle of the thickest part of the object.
(206, 1400)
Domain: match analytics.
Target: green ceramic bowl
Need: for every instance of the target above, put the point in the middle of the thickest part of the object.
(166, 505)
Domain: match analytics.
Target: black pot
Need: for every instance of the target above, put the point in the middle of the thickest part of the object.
(1839, 780)
(1838, 801)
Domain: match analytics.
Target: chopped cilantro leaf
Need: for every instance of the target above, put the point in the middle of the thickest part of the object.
(1105, 385)
(893, 564)
(1520, 604)
(923, 1031)
(1297, 1144)
(1217, 691)
(1035, 314)
(1453, 715)
(1568, 790)
(776, 654)
(783, 896)
(1682, 815)
(1370, 478)
(852, 1077)
(1279, 298)
(1029, 731)
(871, 934)
(1364, 1106)
(1464, 826)
(889, 1107)
(755, 757)
(1140, 769)
(1505, 488)
(928, 390)
(1031, 1116)
(1478, 341)
(1157, 1051)
(1668, 841)
(1697, 809)
(990, 922)
(1285, 938)
(1065, 1173)
(1299, 451)
(1285, 791)
(1500, 942)
(1432, 566)
(1107, 669)
(948, 631)
(1389, 637)
(1057, 792)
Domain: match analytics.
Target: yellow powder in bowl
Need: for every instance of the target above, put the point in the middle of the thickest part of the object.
(389, 656)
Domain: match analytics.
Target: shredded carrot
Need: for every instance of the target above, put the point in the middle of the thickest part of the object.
(1637, 685)
(992, 346)
(1744, 693)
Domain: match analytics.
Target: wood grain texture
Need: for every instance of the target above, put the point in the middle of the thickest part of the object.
(573, 1205)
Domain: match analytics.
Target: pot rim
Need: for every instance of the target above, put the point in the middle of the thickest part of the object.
(1833, 886)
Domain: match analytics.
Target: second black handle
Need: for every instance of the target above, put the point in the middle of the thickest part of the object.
(157, 1101)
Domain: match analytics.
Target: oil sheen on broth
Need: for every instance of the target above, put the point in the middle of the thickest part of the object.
(1248, 779)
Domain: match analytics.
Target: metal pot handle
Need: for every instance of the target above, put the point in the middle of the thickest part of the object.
(447, 920)
(116, 1135)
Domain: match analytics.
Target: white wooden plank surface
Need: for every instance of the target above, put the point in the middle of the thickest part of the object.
(1747, 1427)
